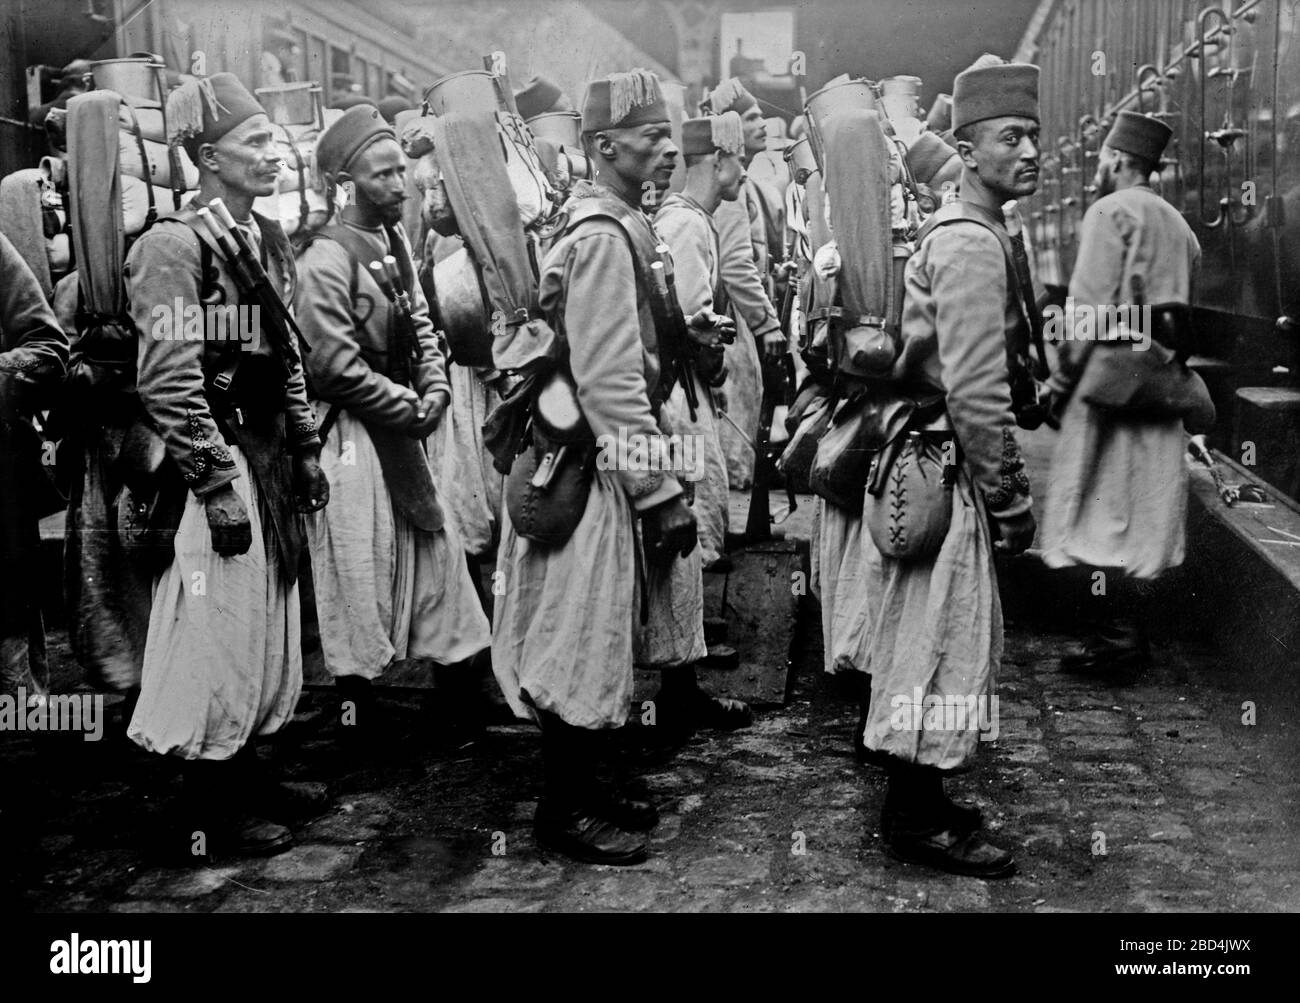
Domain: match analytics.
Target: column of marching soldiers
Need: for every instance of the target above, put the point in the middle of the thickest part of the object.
(406, 404)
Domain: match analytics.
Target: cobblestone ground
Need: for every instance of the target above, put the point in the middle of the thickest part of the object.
(1196, 810)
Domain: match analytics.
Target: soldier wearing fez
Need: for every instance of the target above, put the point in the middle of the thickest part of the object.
(742, 234)
(388, 570)
(712, 148)
(1117, 498)
(936, 624)
(223, 659)
(577, 614)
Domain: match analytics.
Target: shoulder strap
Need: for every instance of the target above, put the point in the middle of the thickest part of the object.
(643, 255)
(1017, 284)
(351, 244)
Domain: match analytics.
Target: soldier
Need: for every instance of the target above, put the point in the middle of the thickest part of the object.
(389, 571)
(565, 632)
(711, 148)
(936, 622)
(742, 235)
(33, 360)
(223, 660)
(1117, 498)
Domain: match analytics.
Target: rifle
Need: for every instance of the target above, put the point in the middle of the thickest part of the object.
(682, 363)
(251, 279)
(406, 348)
(778, 376)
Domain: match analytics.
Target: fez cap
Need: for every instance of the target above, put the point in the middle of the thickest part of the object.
(927, 156)
(1139, 135)
(391, 106)
(204, 109)
(1001, 91)
(730, 95)
(712, 134)
(346, 139)
(623, 101)
(940, 116)
(539, 96)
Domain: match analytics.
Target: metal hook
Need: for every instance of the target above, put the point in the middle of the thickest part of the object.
(1220, 216)
(1144, 71)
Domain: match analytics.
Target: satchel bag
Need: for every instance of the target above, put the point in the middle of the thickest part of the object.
(152, 499)
(1150, 384)
(550, 481)
(859, 429)
(548, 488)
(910, 509)
(809, 418)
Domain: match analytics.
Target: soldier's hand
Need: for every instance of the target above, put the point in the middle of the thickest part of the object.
(774, 345)
(232, 533)
(310, 484)
(710, 329)
(428, 413)
(18, 393)
(1015, 533)
(669, 531)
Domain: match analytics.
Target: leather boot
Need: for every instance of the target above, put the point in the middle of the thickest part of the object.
(285, 803)
(572, 817)
(219, 810)
(921, 826)
(683, 707)
(1118, 650)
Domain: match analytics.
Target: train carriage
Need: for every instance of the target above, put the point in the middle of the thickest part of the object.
(1227, 81)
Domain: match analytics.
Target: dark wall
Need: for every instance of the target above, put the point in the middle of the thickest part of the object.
(932, 39)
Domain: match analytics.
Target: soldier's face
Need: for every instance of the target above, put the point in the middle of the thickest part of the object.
(755, 130)
(644, 153)
(730, 173)
(1107, 164)
(1005, 156)
(246, 158)
(379, 177)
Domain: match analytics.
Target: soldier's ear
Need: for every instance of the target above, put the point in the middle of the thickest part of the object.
(966, 150)
(206, 156)
(604, 144)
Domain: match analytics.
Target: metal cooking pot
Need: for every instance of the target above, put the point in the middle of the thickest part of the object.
(564, 128)
(138, 79)
(467, 92)
(292, 104)
(841, 94)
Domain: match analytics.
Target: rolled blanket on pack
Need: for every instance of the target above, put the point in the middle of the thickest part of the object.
(859, 188)
(135, 203)
(20, 221)
(96, 199)
(158, 172)
(150, 120)
(483, 198)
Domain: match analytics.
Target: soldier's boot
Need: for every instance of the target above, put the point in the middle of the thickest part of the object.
(278, 801)
(575, 816)
(683, 706)
(920, 825)
(219, 822)
(1119, 649)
